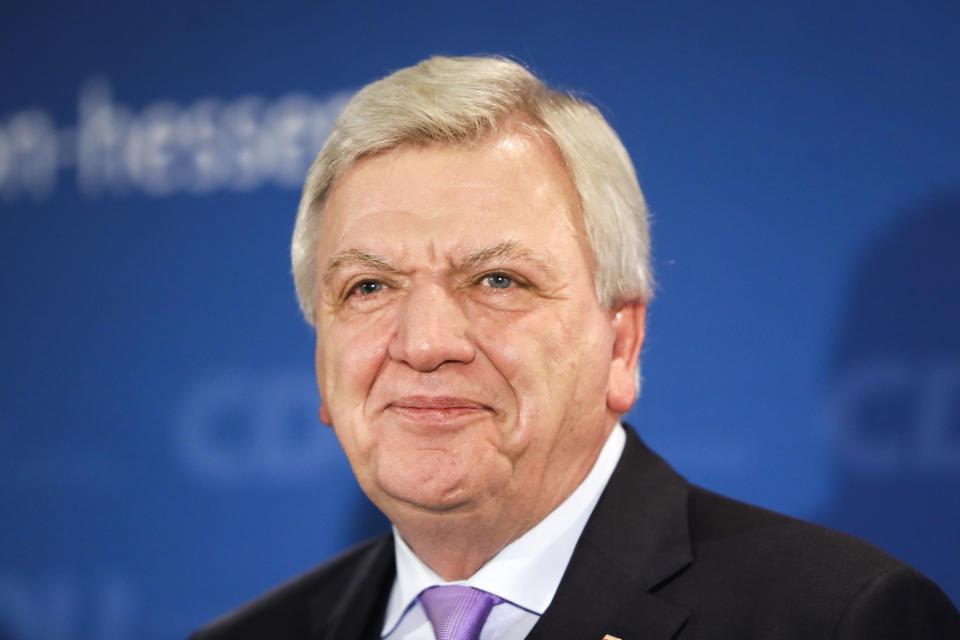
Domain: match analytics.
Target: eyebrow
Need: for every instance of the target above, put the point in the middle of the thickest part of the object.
(508, 249)
(354, 257)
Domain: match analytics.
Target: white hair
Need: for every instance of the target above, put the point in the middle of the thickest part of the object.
(462, 100)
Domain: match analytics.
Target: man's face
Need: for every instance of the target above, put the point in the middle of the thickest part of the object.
(462, 356)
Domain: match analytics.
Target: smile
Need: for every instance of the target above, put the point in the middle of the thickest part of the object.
(437, 410)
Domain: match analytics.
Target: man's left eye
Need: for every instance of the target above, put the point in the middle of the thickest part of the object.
(498, 280)
(366, 288)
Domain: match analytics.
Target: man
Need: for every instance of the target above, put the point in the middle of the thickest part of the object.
(472, 249)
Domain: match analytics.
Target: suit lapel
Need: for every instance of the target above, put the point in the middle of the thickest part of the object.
(354, 606)
(636, 538)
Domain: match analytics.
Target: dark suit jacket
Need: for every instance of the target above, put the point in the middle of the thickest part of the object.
(659, 559)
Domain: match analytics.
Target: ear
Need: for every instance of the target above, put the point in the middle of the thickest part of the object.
(629, 325)
(324, 414)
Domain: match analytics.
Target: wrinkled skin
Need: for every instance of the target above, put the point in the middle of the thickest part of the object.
(464, 361)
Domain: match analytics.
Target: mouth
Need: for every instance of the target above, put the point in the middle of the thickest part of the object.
(437, 409)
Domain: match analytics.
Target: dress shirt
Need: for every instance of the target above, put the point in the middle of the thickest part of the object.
(525, 573)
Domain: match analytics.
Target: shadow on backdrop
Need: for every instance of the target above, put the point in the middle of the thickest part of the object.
(894, 381)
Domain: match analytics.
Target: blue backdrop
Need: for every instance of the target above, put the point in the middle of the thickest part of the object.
(161, 459)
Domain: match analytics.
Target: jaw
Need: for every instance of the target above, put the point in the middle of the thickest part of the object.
(456, 541)
(447, 474)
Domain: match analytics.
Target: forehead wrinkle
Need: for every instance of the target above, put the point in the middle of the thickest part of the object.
(354, 257)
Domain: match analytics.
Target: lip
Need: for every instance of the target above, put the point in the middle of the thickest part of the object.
(437, 411)
(436, 403)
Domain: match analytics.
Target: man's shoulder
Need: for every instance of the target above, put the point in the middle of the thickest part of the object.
(288, 609)
(733, 570)
(723, 535)
(721, 526)
(783, 568)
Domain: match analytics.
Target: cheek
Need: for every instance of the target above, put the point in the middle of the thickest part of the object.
(530, 354)
(348, 359)
(554, 361)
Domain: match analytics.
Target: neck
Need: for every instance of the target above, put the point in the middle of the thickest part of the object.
(456, 546)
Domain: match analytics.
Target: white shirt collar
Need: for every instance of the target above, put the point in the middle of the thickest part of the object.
(527, 571)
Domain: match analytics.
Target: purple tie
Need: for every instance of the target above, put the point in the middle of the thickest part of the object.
(457, 612)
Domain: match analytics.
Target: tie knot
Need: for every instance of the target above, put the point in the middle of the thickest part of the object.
(457, 612)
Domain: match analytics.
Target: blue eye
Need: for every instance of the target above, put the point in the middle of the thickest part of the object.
(498, 281)
(367, 287)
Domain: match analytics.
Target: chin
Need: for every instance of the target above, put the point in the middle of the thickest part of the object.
(437, 495)
(402, 508)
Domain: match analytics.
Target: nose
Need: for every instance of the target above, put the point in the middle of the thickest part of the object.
(431, 330)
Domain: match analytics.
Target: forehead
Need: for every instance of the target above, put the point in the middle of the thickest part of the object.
(509, 184)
